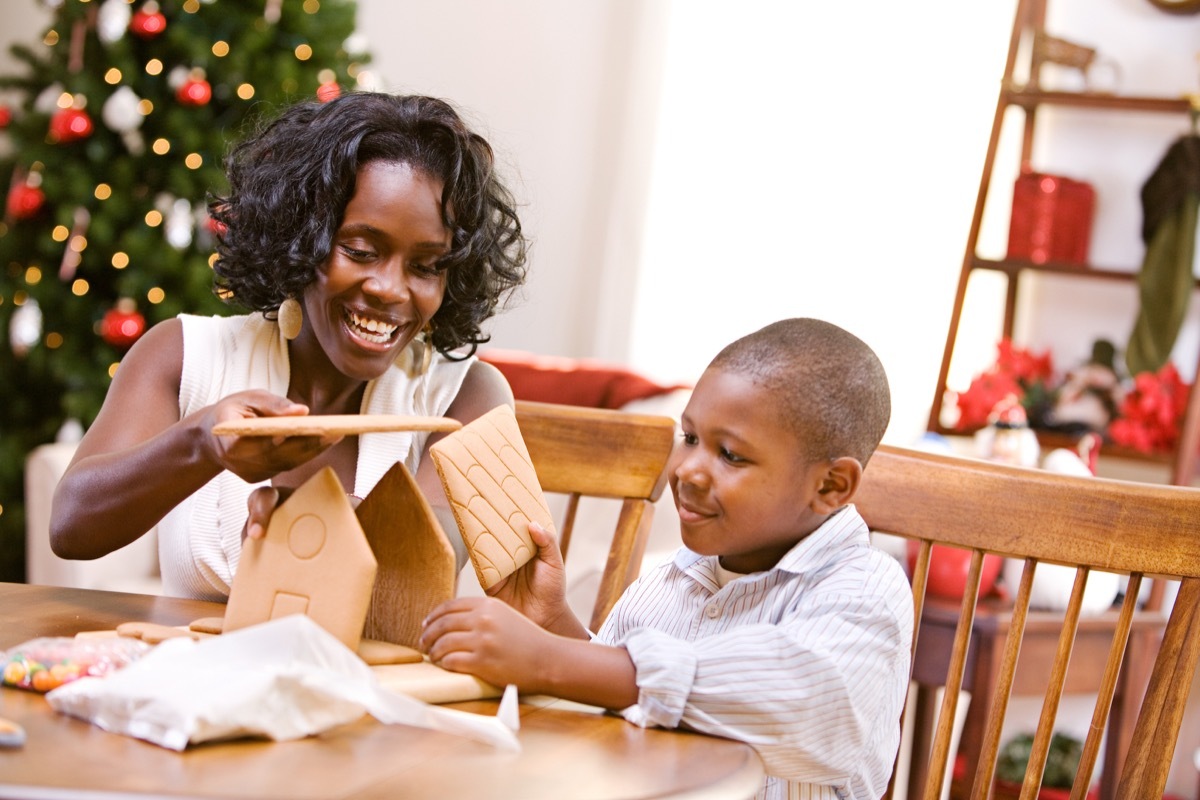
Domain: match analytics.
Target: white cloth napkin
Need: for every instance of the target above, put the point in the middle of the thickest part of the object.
(283, 679)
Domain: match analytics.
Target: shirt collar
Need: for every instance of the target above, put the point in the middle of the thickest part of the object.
(842, 528)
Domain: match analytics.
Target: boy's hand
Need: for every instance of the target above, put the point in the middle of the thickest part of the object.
(488, 639)
(539, 588)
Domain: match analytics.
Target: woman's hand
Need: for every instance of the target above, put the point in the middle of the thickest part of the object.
(488, 639)
(539, 588)
(258, 458)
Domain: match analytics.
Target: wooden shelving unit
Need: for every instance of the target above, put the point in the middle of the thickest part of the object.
(1030, 17)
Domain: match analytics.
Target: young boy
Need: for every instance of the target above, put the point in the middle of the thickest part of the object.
(777, 623)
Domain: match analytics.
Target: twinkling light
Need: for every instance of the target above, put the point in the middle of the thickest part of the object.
(54, 340)
(161, 147)
(312, 6)
(191, 6)
(120, 260)
(103, 191)
(220, 49)
(154, 67)
(65, 100)
(78, 243)
(113, 76)
(303, 52)
(60, 233)
(80, 287)
(156, 295)
(33, 276)
(51, 38)
(112, 368)
(245, 91)
(154, 218)
(194, 161)
(146, 107)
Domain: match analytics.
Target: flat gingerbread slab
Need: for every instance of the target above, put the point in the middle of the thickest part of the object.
(332, 425)
(493, 491)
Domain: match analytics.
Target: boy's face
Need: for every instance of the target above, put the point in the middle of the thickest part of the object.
(742, 483)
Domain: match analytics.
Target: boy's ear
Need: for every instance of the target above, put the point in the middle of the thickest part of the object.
(838, 485)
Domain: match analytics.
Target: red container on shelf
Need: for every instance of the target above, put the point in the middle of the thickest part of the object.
(1051, 219)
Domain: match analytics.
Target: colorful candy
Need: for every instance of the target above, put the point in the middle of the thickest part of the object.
(49, 662)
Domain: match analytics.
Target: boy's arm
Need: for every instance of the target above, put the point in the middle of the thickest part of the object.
(491, 640)
(817, 693)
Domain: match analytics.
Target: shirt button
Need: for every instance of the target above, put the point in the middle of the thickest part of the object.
(713, 611)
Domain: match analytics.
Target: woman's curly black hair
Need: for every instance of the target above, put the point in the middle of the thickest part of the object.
(289, 185)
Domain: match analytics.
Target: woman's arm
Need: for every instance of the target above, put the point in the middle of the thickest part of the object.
(139, 460)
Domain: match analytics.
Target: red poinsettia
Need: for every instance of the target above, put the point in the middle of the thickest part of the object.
(1152, 411)
(1017, 372)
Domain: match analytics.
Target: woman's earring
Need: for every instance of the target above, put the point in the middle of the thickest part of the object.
(419, 354)
(290, 318)
(426, 349)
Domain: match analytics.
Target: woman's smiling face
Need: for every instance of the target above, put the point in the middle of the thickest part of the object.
(380, 285)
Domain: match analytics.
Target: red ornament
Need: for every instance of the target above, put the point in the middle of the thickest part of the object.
(70, 125)
(122, 325)
(5, 116)
(948, 567)
(148, 24)
(194, 92)
(328, 91)
(25, 201)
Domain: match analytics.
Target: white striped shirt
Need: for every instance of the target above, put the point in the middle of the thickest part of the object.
(807, 662)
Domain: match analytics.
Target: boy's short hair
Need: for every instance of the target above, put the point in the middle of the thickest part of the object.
(830, 386)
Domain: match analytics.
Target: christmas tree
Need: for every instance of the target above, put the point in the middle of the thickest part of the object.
(111, 142)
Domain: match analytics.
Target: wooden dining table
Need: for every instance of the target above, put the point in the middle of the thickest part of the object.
(567, 750)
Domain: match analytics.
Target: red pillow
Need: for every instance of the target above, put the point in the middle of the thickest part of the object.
(570, 381)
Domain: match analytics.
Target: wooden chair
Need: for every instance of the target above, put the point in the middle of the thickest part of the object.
(592, 452)
(1141, 530)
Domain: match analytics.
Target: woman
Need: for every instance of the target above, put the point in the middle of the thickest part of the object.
(362, 235)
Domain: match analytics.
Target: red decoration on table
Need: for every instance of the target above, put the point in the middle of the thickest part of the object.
(24, 201)
(194, 92)
(70, 125)
(148, 22)
(122, 325)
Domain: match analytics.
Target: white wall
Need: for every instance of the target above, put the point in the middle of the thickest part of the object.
(693, 170)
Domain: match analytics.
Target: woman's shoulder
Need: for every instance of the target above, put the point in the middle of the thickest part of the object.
(232, 323)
